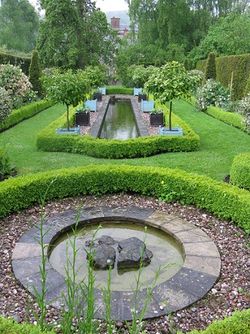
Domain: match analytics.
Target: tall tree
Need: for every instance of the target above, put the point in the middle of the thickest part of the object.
(18, 25)
(74, 34)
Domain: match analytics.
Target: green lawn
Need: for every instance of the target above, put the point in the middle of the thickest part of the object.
(219, 144)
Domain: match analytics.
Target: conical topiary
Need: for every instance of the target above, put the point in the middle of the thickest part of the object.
(210, 71)
(35, 73)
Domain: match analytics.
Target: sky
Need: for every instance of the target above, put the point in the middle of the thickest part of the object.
(110, 5)
(105, 5)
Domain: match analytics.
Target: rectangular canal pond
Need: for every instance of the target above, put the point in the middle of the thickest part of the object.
(119, 121)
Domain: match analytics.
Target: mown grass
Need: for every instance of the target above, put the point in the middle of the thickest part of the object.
(220, 143)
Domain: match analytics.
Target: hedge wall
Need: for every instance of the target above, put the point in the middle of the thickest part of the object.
(23, 113)
(9, 326)
(23, 61)
(239, 65)
(227, 117)
(238, 323)
(48, 140)
(240, 171)
(119, 90)
(223, 200)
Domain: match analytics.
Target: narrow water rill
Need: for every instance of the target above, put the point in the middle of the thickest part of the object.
(119, 121)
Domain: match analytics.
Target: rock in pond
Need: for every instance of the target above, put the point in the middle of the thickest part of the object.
(103, 257)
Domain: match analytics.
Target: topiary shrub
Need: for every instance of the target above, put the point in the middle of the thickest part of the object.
(35, 73)
(196, 79)
(16, 83)
(240, 171)
(5, 167)
(210, 71)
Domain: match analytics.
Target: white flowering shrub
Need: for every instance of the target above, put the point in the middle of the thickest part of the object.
(196, 79)
(244, 105)
(16, 84)
(212, 93)
(5, 104)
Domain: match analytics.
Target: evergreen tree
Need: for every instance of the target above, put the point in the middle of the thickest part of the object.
(18, 25)
(35, 73)
(210, 71)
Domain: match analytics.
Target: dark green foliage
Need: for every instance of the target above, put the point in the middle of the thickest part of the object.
(238, 66)
(49, 141)
(238, 323)
(210, 71)
(5, 167)
(223, 200)
(8, 326)
(119, 90)
(247, 89)
(240, 171)
(19, 25)
(22, 60)
(35, 73)
(227, 117)
(24, 112)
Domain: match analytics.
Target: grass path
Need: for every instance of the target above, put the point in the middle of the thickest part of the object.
(219, 144)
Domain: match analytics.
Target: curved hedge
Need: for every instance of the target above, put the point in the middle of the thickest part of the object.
(225, 201)
(240, 171)
(49, 141)
(23, 113)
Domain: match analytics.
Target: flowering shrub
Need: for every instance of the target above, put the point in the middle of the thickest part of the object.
(5, 104)
(212, 93)
(16, 84)
(196, 79)
(244, 105)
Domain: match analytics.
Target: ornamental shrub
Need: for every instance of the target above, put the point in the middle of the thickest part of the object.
(5, 167)
(16, 83)
(5, 104)
(240, 171)
(243, 106)
(35, 73)
(196, 79)
(140, 74)
(210, 71)
(247, 89)
(212, 93)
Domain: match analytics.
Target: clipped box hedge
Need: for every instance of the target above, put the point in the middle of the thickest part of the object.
(119, 90)
(9, 326)
(223, 200)
(22, 60)
(240, 171)
(49, 141)
(239, 65)
(23, 113)
(238, 323)
(227, 117)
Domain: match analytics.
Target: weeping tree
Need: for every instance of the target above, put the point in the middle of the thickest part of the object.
(168, 83)
(67, 88)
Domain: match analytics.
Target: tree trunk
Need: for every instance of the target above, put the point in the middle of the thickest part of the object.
(170, 116)
(68, 117)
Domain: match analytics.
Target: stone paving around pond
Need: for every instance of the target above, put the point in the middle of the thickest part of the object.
(197, 276)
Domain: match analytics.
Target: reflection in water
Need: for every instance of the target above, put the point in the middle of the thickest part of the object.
(167, 254)
(119, 122)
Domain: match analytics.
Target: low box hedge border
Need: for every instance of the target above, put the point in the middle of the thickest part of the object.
(223, 200)
(24, 112)
(48, 140)
(240, 171)
(111, 90)
(227, 117)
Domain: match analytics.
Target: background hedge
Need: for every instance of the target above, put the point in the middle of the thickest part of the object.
(240, 171)
(239, 65)
(8, 57)
(49, 141)
(224, 200)
(119, 90)
(23, 113)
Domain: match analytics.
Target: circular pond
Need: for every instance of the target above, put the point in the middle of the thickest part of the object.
(167, 254)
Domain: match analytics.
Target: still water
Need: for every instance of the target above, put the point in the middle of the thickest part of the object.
(119, 122)
(167, 254)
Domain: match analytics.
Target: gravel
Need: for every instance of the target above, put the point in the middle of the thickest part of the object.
(230, 293)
